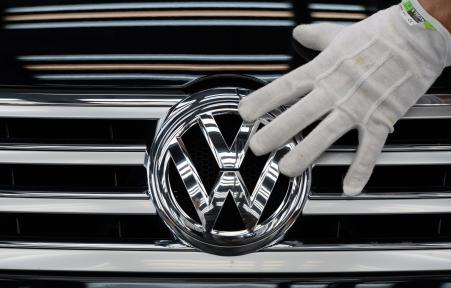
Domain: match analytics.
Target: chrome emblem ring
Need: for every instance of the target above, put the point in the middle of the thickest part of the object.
(199, 228)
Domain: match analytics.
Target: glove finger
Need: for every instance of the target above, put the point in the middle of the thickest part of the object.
(284, 90)
(319, 140)
(279, 92)
(371, 142)
(317, 36)
(291, 122)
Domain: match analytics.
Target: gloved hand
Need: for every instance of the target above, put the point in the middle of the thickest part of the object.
(367, 78)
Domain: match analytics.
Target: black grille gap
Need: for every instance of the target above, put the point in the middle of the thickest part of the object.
(76, 131)
(83, 228)
(75, 178)
(407, 132)
(367, 229)
(328, 180)
(308, 230)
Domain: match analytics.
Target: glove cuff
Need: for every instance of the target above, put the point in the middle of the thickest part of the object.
(415, 14)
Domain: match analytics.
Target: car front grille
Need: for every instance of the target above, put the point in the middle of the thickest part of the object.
(72, 178)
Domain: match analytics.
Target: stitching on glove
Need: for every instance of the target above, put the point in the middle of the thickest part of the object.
(343, 59)
(376, 105)
(340, 104)
(387, 56)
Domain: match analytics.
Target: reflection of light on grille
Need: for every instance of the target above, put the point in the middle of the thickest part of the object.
(190, 63)
(151, 5)
(336, 7)
(133, 76)
(152, 23)
(151, 14)
(338, 15)
(163, 57)
(175, 67)
(138, 76)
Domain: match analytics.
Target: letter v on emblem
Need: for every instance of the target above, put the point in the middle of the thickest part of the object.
(208, 206)
(227, 157)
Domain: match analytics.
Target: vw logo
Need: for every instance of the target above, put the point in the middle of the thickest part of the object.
(193, 168)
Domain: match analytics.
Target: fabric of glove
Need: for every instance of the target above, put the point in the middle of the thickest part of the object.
(367, 77)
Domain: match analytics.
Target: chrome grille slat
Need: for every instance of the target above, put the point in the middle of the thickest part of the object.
(167, 261)
(134, 155)
(71, 157)
(390, 158)
(429, 112)
(76, 205)
(68, 195)
(388, 205)
(82, 112)
(72, 154)
(144, 206)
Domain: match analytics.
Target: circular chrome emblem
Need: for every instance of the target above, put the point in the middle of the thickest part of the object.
(210, 189)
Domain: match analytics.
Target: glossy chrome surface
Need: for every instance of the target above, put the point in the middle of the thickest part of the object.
(177, 247)
(72, 157)
(424, 157)
(432, 260)
(429, 106)
(199, 109)
(30, 203)
(128, 203)
(388, 205)
(149, 5)
(85, 112)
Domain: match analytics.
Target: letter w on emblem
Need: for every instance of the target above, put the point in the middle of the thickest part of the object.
(229, 159)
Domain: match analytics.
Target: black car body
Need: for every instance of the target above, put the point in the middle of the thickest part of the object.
(83, 88)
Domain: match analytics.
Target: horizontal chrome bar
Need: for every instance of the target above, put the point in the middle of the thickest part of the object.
(159, 57)
(22, 204)
(171, 245)
(432, 157)
(89, 98)
(151, 5)
(83, 112)
(197, 262)
(337, 7)
(67, 157)
(429, 112)
(78, 105)
(134, 155)
(125, 106)
(73, 147)
(377, 206)
(155, 23)
(76, 206)
(74, 195)
(432, 106)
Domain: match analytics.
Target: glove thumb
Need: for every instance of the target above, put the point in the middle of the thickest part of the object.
(317, 36)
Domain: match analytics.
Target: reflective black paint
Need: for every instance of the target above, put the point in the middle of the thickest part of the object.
(155, 43)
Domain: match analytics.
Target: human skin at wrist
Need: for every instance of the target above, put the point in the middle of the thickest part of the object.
(440, 9)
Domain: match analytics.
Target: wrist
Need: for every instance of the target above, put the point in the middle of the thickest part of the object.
(440, 10)
(418, 13)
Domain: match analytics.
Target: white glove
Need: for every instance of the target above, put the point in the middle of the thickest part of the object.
(368, 77)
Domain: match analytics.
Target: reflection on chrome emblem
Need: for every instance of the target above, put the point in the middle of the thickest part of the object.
(199, 230)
